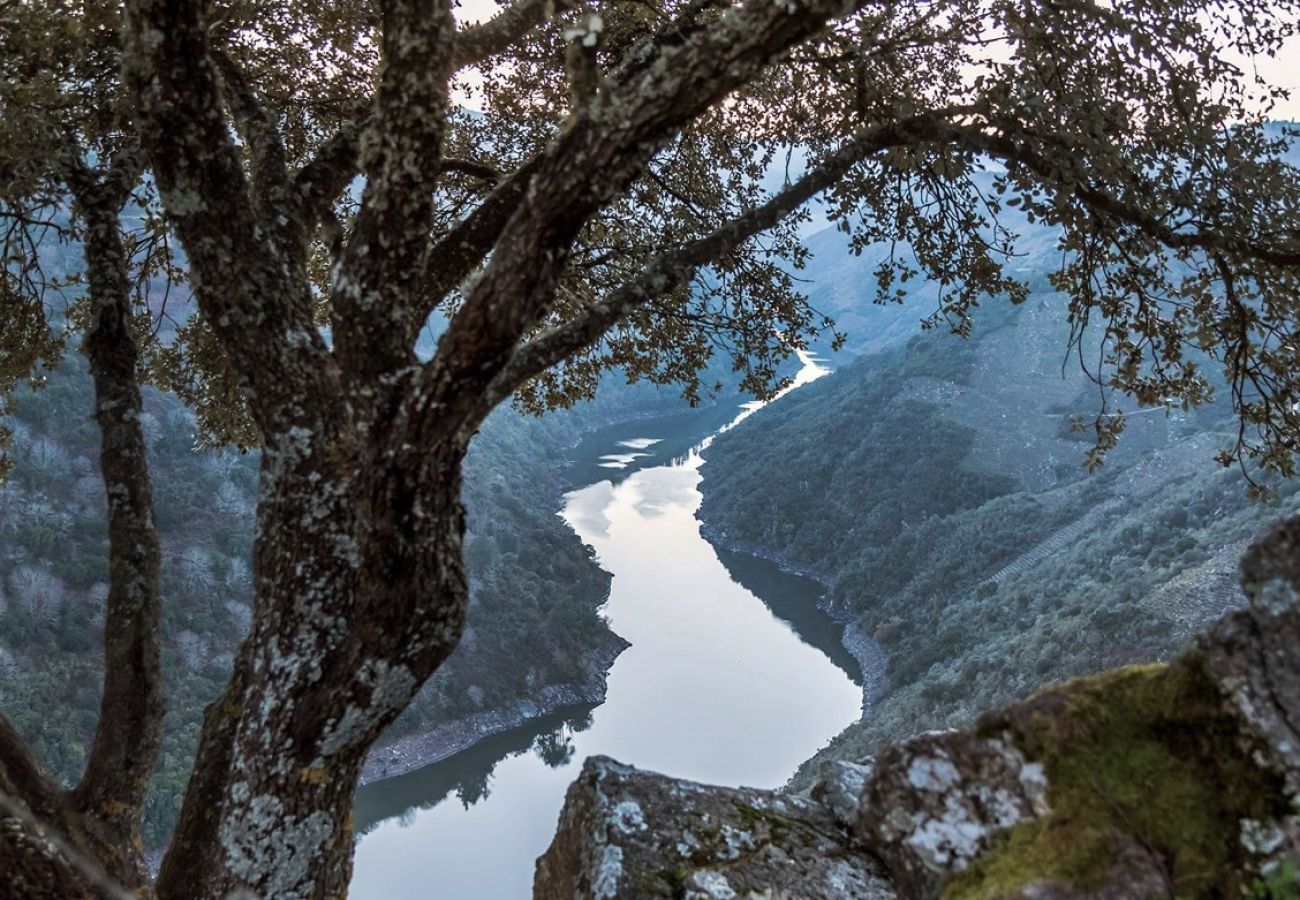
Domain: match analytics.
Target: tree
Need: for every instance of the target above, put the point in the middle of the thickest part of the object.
(39, 593)
(606, 209)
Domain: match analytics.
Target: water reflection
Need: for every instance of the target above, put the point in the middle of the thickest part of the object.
(792, 599)
(468, 775)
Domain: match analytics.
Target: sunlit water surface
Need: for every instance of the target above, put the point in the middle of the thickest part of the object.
(718, 686)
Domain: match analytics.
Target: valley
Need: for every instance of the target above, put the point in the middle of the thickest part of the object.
(732, 675)
(935, 489)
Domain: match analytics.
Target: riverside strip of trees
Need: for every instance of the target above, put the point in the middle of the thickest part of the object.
(604, 209)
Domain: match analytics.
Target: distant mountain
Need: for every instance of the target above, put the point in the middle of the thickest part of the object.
(842, 285)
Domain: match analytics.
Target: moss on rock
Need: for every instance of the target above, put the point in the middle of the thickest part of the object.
(1144, 761)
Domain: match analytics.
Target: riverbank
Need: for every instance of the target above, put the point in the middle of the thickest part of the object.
(872, 660)
(427, 747)
(424, 748)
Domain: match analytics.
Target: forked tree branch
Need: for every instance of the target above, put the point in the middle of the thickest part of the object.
(262, 316)
(604, 149)
(401, 160)
(337, 162)
(457, 254)
(270, 170)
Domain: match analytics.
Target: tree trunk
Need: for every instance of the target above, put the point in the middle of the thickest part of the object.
(111, 794)
(361, 594)
(86, 842)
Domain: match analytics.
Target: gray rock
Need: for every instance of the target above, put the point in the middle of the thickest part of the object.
(631, 834)
(1252, 654)
(937, 801)
(839, 789)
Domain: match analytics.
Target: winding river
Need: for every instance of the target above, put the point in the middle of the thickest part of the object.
(733, 677)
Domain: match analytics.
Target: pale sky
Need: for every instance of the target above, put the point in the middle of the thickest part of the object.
(1282, 70)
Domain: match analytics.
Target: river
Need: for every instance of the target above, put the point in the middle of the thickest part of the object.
(733, 677)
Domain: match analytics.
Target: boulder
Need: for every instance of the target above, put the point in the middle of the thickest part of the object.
(628, 833)
(941, 799)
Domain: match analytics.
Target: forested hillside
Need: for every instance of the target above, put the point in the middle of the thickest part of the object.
(535, 588)
(938, 491)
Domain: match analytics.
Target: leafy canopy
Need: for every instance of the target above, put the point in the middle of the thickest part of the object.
(1126, 125)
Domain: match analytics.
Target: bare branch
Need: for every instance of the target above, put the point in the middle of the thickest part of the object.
(479, 42)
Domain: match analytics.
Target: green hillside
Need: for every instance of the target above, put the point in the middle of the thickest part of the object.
(937, 490)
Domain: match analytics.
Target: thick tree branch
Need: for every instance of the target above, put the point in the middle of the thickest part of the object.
(260, 311)
(462, 250)
(479, 42)
(472, 168)
(419, 594)
(670, 270)
(270, 170)
(327, 175)
(605, 148)
(380, 266)
(458, 253)
(324, 178)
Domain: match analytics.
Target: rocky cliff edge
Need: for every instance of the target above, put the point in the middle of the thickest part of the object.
(1173, 780)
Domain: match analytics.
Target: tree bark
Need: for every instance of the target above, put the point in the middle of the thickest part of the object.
(271, 811)
(30, 867)
(86, 842)
(111, 793)
(360, 590)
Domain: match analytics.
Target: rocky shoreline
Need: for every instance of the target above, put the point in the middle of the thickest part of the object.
(415, 751)
(872, 659)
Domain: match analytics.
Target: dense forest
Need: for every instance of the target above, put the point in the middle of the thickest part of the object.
(937, 489)
(535, 587)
